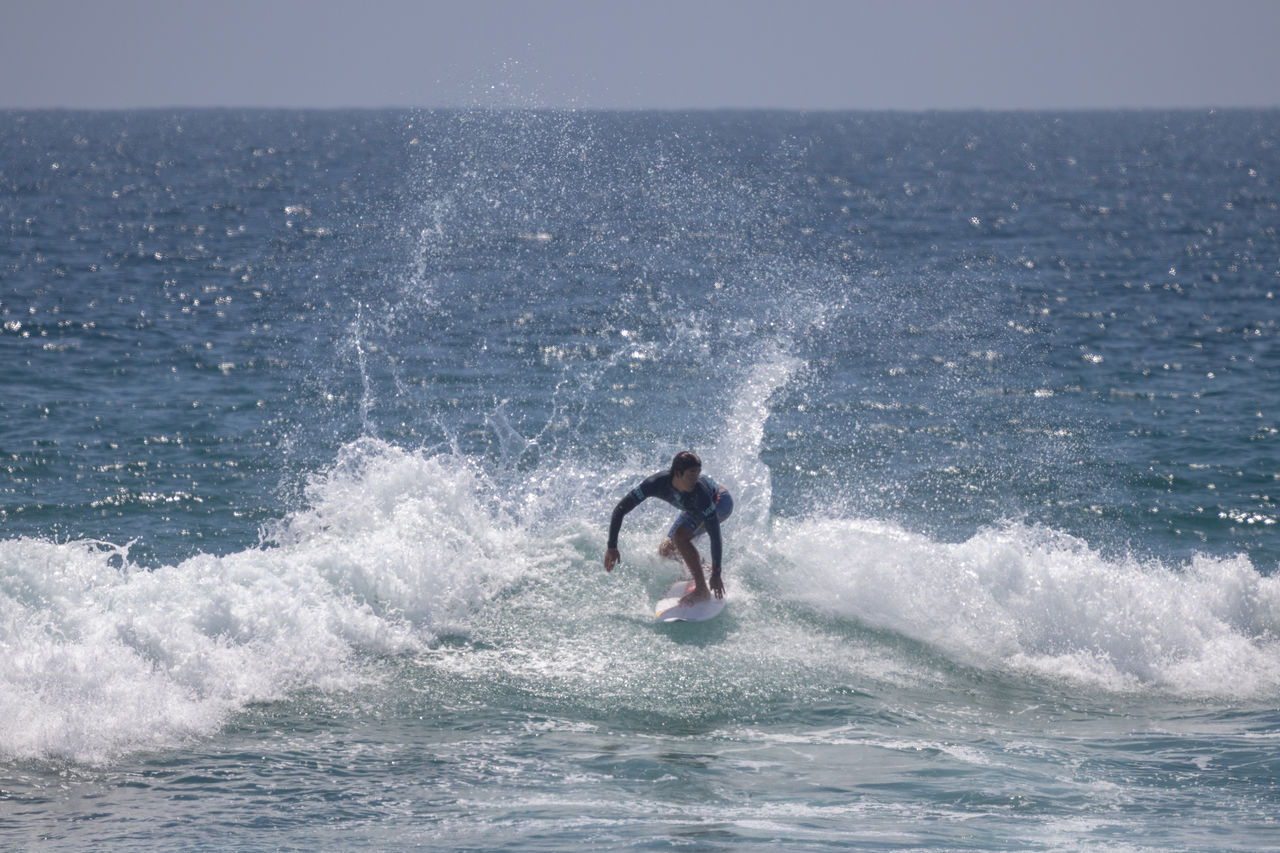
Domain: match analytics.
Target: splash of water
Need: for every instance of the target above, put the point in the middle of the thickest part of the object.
(737, 449)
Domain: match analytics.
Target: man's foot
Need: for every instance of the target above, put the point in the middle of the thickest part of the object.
(695, 596)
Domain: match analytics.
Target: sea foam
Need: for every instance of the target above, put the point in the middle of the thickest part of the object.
(1025, 598)
(104, 657)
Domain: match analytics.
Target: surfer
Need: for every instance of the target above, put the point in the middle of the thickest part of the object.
(702, 504)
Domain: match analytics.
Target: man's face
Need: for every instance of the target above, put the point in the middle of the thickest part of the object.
(686, 479)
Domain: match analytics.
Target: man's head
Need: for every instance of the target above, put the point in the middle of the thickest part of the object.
(685, 470)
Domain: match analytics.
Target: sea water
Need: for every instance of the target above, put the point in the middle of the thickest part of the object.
(311, 425)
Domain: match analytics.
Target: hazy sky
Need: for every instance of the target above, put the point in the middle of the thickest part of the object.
(802, 54)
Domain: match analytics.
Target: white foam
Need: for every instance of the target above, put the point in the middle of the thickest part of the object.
(103, 657)
(1030, 599)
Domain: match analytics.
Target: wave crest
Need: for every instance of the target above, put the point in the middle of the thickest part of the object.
(1031, 599)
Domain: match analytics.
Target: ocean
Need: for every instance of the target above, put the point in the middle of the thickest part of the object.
(312, 422)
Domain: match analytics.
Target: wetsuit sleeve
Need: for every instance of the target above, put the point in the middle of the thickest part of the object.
(712, 523)
(656, 486)
(629, 502)
(710, 519)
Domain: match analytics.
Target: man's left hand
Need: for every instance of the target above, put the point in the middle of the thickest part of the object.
(717, 584)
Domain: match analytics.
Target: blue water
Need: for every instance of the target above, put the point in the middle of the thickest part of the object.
(311, 424)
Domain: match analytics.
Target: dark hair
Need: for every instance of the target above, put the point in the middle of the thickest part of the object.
(685, 460)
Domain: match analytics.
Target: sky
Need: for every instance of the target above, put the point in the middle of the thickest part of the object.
(639, 54)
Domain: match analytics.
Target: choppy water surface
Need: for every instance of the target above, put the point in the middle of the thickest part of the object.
(312, 424)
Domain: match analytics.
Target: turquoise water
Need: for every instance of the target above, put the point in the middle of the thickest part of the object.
(312, 424)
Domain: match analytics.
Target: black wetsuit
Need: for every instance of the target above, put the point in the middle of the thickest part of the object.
(699, 503)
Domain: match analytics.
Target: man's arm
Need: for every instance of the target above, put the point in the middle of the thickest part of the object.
(628, 503)
(712, 522)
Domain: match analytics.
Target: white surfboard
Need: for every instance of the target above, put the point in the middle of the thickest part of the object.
(670, 609)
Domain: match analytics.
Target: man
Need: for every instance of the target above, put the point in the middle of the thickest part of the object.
(702, 504)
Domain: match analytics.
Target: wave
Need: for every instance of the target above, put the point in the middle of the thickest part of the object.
(396, 551)
(1029, 599)
(107, 657)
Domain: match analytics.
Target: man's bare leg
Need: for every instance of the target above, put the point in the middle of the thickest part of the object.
(683, 541)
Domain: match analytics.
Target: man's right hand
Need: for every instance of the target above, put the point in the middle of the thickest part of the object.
(611, 557)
